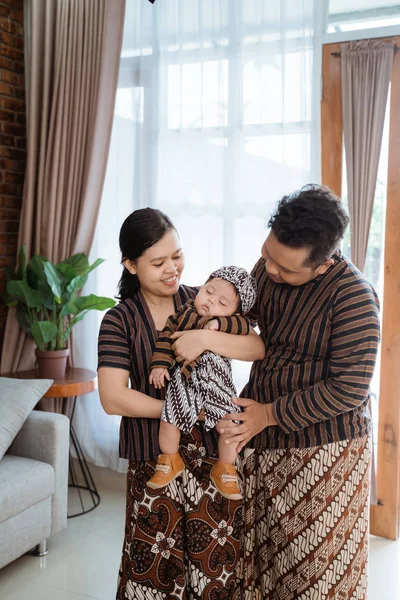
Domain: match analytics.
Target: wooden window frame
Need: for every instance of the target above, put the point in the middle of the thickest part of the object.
(384, 515)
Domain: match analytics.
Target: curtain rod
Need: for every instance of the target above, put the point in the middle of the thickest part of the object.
(338, 54)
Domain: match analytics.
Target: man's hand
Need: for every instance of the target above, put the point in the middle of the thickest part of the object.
(158, 377)
(189, 345)
(212, 325)
(255, 418)
(202, 415)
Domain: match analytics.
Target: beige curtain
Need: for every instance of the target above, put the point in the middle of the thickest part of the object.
(366, 70)
(73, 59)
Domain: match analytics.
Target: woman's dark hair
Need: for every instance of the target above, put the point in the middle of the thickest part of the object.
(141, 230)
(313, 218)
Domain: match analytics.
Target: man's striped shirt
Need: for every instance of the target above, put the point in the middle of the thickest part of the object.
(321, 342)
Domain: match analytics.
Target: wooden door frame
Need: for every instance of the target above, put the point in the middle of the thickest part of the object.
(385, 515)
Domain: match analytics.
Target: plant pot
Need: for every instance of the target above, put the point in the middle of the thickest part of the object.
(52, 364)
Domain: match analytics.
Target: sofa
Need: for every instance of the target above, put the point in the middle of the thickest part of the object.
(34, 485)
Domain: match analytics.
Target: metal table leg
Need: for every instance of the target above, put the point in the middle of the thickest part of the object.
(93, 496)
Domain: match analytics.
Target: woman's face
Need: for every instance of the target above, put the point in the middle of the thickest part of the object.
(160, 267)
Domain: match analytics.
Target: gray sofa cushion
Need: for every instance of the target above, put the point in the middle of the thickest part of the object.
(23, 482)
(17, 399)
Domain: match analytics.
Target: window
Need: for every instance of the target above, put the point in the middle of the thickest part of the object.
(353, 15)
(216, 118)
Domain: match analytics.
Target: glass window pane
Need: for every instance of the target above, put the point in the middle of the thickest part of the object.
(279, 161)
(354, 15)
(198, 95)
(129, 103)
(194, 24)
(190, 172)
(275, 20)
(138, 29)
(271, 87)
(342, 6)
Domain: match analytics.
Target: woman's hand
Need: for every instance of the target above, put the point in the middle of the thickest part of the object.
(189, 345)
(255, 418)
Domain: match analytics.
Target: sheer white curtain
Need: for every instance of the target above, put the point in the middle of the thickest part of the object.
(217, 116)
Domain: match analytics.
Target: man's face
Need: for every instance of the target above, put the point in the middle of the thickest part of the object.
(287, 265)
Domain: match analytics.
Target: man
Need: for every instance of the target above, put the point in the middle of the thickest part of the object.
(306, 410)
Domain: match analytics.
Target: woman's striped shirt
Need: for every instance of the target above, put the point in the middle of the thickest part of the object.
(321, 342)
(127, 340)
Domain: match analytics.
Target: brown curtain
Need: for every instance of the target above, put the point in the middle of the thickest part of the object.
(366, 70)
(73, 54)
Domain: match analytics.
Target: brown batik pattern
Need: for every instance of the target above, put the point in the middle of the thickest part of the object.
(181, 542)
(306, 523)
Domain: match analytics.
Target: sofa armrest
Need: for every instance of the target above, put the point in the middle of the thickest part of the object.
(45, 437)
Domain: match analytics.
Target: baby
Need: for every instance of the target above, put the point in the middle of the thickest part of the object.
(206, 383)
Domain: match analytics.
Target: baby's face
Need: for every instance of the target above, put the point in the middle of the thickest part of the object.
(217, 298)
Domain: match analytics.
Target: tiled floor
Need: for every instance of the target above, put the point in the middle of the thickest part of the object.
(83, 561)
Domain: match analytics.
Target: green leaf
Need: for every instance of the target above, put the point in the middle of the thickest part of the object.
(38, 281)
(10, 274)
(72, 323)
(77, 264)
(52, 292)
(96, 263)
(53, 280)
(93, 302)
(10, 300)
(77, 284)
(67, 272)
(35, 272)
(23, 317)
(22, 262)
(43, 332)
(19, 291)
(70, 308)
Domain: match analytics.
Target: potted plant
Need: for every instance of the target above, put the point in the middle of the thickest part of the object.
(48, 304)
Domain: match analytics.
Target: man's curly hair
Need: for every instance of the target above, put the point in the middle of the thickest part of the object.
(313, 218)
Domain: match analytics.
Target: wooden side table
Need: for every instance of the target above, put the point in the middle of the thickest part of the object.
(75, 383)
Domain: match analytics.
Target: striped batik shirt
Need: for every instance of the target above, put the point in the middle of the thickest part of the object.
(127, 340)
(187, 318)
(321, 342)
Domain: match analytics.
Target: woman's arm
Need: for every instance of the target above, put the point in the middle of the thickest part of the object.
(189, 345)
(117, 399)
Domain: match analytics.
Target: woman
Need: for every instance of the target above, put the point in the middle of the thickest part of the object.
(181, 542)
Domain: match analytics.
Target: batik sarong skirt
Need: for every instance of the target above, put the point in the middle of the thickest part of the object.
(300, 534)
(181, 542)
(306, 518)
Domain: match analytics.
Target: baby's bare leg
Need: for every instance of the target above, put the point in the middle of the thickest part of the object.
(226, 452)
(169, 438)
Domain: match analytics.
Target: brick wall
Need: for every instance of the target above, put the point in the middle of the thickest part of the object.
(12, 136)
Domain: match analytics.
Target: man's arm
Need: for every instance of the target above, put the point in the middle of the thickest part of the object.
(354, 345)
